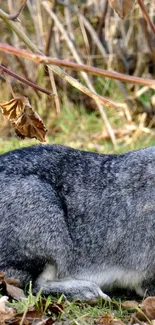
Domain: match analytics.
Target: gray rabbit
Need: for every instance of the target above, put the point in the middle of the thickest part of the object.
(77, 222)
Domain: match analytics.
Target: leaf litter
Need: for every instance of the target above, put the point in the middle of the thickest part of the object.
(43, 314)
(44, 311)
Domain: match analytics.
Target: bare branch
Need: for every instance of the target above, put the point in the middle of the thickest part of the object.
(146, 16)
(77, 67)
(58, 71)
(25, 81)
(15, 16)
(78, 59)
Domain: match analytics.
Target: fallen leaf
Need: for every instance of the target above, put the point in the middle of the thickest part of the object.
(6, 313)
(25, 121)
(14, 291)
(10, 287)
(148, 307)
(15, 282)
(2, 275)
(108, 320)
(34, 317)
(146, 311)
(54, 308)
(130, 304)
(50, 321)
(122, 7)
(47, 321)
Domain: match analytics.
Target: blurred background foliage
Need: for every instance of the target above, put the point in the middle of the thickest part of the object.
(96, 36)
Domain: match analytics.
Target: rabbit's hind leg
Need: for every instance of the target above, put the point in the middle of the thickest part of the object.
(72, 289)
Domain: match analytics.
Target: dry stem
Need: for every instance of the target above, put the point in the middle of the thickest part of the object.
(146, 16)
(25, 81)
(62, 74)
(77, 67)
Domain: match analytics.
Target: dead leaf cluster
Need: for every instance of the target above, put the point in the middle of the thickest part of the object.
(25, 121)
(6, 313)
(144, 313)
(10, 288)
(140, 314)
(9, 315)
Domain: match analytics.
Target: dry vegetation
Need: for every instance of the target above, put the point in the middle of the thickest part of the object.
(84, 32)
(78, 46)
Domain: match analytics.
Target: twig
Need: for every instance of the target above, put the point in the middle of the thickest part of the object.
(87, 24)
(85, 90)
(102, 20)
(25, 81)
(24, 315)
(70, 29)
(15, 16)
(78, 67)
(33, 7)
(50, 32)
(38, 26)
(57, 70)
(9, 84)
(146, 16)
(100, 25)
(73, 50)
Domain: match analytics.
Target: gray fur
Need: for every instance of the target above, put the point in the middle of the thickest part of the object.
(75, 222)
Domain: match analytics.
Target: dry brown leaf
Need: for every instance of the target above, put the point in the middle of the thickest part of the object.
(10, 287)
(108, 320)
(15, 282)
(25, 121)
(13, 109)
(6, 313)
(148, 307)
(146, 311)
(130, 304)
(122, 7)
(13, 291)
(34, 317)
(30, 125)
(54, 308)
(47, 321)
(2, 275)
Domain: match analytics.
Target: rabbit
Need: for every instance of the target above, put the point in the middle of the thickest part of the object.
(78, 223)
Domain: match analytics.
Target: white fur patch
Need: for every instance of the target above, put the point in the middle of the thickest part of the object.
(48, 274)
(114, 277)
(107, 278)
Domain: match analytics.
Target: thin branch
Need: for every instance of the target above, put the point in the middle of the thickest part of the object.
(15, 16)
(78, 59)
(146, 16)
(25, 81)
(85, 90)
(87, 24)
(58, 71)
(77, 67)
(50, 31)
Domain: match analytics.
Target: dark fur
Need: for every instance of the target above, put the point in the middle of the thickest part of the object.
(89, 216)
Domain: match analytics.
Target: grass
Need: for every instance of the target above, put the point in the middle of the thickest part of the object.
(73, 312)
(82, 130)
